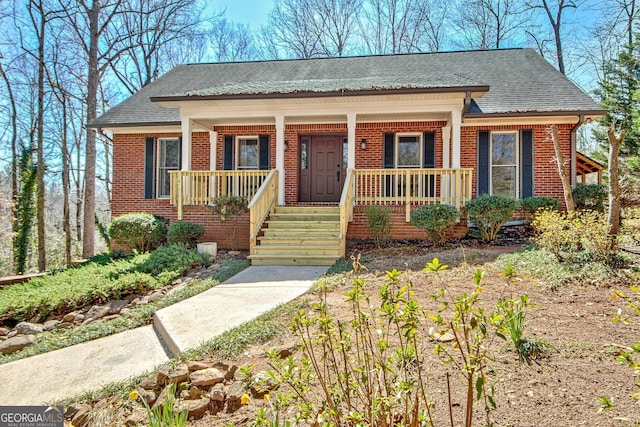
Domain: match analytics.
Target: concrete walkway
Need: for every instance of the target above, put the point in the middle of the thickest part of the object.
(85, 367)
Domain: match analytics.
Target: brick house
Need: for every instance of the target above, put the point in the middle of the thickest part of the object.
(311, 143)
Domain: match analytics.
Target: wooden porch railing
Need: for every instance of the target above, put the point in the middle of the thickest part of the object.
(346, 208)
(412, 187)
(200, 188)
(261, 205)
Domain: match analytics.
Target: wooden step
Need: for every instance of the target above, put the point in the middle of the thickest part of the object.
(304, 217)
(301, 233)
(319, 210)
(281, 240)
(291, 260)
(334, 251)
(305, 225)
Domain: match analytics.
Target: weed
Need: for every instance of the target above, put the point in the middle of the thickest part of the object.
(378, 223)
(164, 415)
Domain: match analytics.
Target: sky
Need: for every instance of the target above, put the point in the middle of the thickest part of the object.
(251, 12)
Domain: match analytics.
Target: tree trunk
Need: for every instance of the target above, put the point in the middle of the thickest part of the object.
(562, 169)
(93, 78)
(615, 142)
(14, 149)
(66, 225)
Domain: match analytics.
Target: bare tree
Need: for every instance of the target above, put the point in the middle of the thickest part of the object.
(232, 42)
(563, 171)
(490, 24)
(613, 219)
(391, 26)
(432, 19)
(338, 18)
(292, 29)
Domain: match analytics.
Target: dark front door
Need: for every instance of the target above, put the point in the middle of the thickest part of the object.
(322, 168)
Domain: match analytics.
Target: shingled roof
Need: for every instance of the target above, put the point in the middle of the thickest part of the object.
(516, 81)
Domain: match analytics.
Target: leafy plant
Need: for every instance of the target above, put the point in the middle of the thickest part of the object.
(528, 348)
(175, 259)
(490, 213)
(577, 237)
(378, 223)
(437, 220)
(590, 196)
(164, 415)
(371, 369)
(230, 208)
(141, 232)
(185, 232)
(532, 205)
(24, 211)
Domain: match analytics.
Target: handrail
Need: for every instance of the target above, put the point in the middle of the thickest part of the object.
(261, 205)
(411, 187)
(346, 208)
(201, 188)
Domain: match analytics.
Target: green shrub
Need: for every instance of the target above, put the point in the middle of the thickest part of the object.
(490, 213)
(590, 196)
(185, 232)
(141, 232)
(531, 205)
(95, 282)
(177, 259)
(579, 236)
(230, 208)
(378, 223)
(631, 225)
(437, 220)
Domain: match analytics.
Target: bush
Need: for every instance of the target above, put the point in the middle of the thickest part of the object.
(580, 236)
(531, 205)
(631, 225)
(437, 220)
(185, 232)
(176, 259)
(490, 213)
(378, 223)
(141, 232)
(590, 196)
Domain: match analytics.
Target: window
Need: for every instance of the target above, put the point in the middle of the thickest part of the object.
(248, 152)
(408, 151)
(504, 163)
(168, 160)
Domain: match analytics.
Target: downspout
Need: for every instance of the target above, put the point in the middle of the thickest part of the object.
(467, 104)
(574, 131)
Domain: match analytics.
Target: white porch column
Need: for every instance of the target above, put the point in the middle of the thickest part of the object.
(186, 125)
(280, 157)
(456, 120)
(351, 140)
(213, 150)
(445, 182)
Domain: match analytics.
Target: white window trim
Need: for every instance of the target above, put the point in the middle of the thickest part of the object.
(237, 151)
(158, 168)
(420, 148)
(517, 159)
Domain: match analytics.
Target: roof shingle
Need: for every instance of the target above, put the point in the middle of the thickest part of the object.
(518, 81)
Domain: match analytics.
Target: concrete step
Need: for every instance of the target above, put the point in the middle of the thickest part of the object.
(285, 260)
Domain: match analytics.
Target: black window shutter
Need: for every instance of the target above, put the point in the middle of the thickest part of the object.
(228, 153)
(149, 167)
(483, 163)
(526, 163)
(389, 157)
(263, 161)
(180, 153)
(429, 149)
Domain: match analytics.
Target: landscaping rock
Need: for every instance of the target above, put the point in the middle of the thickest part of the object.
(234, 396)
(137, 417)
(196, 393)
(162, 397)
(73, 409)
(221, 366)
(217, 393)
(196, 408)
(207, 377)
(12, 333)
(4, 332)
(70, 317)
(231, 372)
(79, 318)
(13, 344)
(28, 328)
(197, 366)
(96, 312)
(155, 296)
(64, 325)
(177, 374)
(149, 383)
(50, 325)
(148, 396)
(116, 306)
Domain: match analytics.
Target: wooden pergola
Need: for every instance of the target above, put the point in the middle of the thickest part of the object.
(585, 165)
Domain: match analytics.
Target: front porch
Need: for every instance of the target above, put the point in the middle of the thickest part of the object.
(405, 188)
